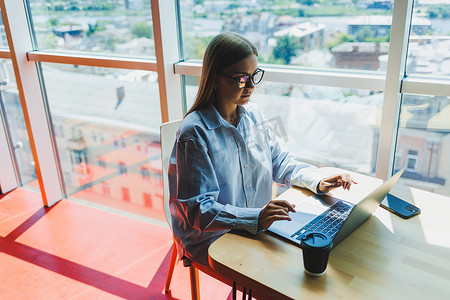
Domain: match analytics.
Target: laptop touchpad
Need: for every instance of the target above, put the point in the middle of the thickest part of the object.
(305, 213)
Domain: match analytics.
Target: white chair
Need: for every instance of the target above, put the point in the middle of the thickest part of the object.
(168, 133)
(167, 136)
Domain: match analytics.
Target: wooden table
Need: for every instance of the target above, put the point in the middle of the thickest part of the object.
(387, 257)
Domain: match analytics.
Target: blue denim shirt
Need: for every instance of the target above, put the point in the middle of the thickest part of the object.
(220, 176)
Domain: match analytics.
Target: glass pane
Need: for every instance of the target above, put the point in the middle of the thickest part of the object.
(115, 27)
(305, 33)
(3, 40)
(323, 126)
(106, 124)
(16, 125)
(429, 47)
(423, 143)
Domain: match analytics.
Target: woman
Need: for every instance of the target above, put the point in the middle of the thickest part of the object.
(225, 158)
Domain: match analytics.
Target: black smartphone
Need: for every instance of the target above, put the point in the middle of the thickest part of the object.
(399, 207)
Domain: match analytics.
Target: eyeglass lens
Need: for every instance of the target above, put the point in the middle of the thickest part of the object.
(256, 78)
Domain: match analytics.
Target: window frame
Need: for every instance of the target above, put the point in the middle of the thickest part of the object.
(5, 54)
(37, 119)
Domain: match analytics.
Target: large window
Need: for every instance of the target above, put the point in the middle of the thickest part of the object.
(429, 53)
(106, 125)
(109, 27)
(423, 143)
(304, 33)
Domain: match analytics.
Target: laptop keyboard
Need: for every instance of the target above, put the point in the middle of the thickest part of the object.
(329, 222)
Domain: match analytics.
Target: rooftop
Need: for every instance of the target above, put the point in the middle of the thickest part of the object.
(384, 20)
(369, 47)
(300, 30)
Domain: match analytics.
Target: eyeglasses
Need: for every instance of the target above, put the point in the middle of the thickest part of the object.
(241, 81)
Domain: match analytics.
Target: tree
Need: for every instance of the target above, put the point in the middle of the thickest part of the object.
(58, 7)
(368, 35)
(270, 60)
(195, 46)
(49, 41)
(439, 11)
(92, 29)
(141, 29)
(53, 22)
(286, 48)
(308, 2)
(109, 44)
(340, 38)
(365, 34)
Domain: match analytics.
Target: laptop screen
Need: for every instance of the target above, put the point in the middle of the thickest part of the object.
(364, 209)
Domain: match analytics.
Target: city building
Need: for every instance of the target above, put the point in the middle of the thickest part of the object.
(360, 56)
(380, 25)
(3, 40)
(309, 35)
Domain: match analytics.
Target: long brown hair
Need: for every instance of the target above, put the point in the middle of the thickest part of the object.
(224, 50)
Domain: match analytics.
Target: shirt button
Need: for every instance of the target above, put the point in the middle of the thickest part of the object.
(245, 166)
(247, 186)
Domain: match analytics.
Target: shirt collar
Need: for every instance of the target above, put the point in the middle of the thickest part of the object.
(213, 119)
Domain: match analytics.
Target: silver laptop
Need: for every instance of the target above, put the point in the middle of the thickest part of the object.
(335, 217)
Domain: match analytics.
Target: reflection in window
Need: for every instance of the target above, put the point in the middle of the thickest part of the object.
(125, 194)
(425, 135)
(3, 39)
(114, 27)
(411, 160)
(429, 48)
(398, 159)
(122, 143)
(318, 34)
(100, 134)
(158, 179)
(145, 173)
(122, 168)
(106, 189)
(68, 180)
(61, 131)
(148, 200)
(14, 118)
(101, 163)
(138, 145)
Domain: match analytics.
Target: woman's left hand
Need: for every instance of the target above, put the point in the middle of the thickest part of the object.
(335, 181)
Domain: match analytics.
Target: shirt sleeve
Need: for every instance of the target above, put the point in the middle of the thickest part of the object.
(198, 191)
(289, 171)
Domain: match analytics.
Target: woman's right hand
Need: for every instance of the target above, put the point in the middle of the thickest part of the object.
(275, 210)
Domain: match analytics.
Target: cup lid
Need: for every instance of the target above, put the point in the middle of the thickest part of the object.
(316, 240)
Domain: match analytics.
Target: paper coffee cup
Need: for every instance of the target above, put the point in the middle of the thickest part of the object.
(316, 248)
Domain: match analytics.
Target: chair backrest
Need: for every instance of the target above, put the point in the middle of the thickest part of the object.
(168, 132)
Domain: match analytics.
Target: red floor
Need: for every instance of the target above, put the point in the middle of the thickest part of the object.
(72, 251)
